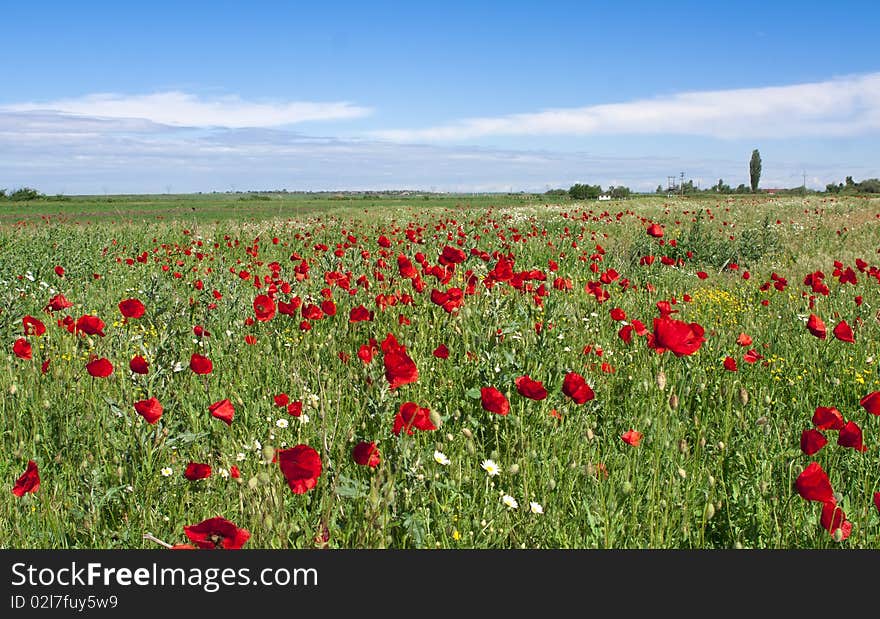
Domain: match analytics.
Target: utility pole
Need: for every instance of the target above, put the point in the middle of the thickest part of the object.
(682, 184)
(805, 182)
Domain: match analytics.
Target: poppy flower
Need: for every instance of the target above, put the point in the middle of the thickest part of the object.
(631, 437)
(360, 314)
(744, 340)
(281, 399)
(328, 307)
(702, 274)
(151, 409)
(100, 368)
(410, 416)
(851, 436)
(494, 401)
(441, 352)
(813, 484)
(451, 255)
(812, 441)
(138, 365)
(200, 331)
(22, 349)
(400, 369)
(264, 308)
(730, 364)
(197, 470)
(200, 364)
(222, 410)
(752, 356)
(366, 454)
(234, 473)
(29, 480)
(655, 230)
(877, 501)
(44, 367)
(217, 533)
(33, 326)
(617, 314)
(90, 325)
(834, 518)
(57, 303)
(295, 408)
(843, 332)
(59, 271)
(530, 388)
(626, 334)
(827, 418)
(575, 387)
(132, 308)
(677, 336)
(871, 403)
(301, 467)
(816, 326)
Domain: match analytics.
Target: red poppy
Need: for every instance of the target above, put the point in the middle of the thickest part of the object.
(677, 336)
(494, 401)
(360, 314)
(250, 340)
(575, 387)
(90, 325)
(22, 349)
(834, 518)
(730, 364)
(631, 437)
(33, 326)
(400, 369)
(877, 501)
(217, 533)
(752, 356)
(197, 470)
(295, 408)
(451, 255)
(29, 480)
(851, 436)
(100, 368)
(281, 399)
(827, 418)
(301, 467)
(222, 410)
(200, 364)
(871, 403)
(655, 230)
(530, 388)
(702, 274)
(744, 340)
(44, 367)
(138, 365)
(57, 303)
(366, 454)
(617, 314)
(132, 308)
(441, 352)
(310, 311)
(59, 271)
(264, 308)
(816, 326)
(200, 331)
(626, 334)
(234, 473)
(410, 416)
(328, 307)
(843, 332)
(812, 441)
(813, 484)
(150, 409)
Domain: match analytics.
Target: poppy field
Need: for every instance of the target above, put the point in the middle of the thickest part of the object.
(648, 373)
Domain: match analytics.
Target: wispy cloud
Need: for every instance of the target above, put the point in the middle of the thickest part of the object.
(845, 106)
(182, 109)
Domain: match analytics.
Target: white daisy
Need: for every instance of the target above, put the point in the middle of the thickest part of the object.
(535, 508)
(509, 501)
(440, 458)
(490, 467)
(167, 471)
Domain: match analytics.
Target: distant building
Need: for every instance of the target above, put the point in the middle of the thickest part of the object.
(604, 197)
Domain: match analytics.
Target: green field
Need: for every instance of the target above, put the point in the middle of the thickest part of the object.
(720, 450)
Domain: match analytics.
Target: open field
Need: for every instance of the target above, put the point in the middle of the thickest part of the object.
(335, 327)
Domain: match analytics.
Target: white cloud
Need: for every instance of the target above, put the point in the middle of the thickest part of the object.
(186, 110)
(840, 107)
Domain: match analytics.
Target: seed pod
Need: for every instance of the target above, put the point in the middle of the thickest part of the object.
(709, 511)
(435, 419)
(743, 396)
(467, 433)
(514, 469)
(268, 453)
(661, 380)
(673, 401)
(683, 446)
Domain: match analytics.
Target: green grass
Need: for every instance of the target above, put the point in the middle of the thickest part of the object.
(715, 469)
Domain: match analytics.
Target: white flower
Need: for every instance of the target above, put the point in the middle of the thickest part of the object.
(440, 458)
(314, 400)
(240, 456)
(223, 473)
(535, 508)
(167, 471)
(178, 367)
(304, 418)
(490, 467)
(509, 501)
(281, 423)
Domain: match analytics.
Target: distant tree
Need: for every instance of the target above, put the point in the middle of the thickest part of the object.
(558, 193)
(619, 192)
(2, 194)
(722, 187)
(25, 193)
(741, 188)
(584, 192)
(659, 189)
(849, 181)
(755, 170)
(832, 188)
(869, 185)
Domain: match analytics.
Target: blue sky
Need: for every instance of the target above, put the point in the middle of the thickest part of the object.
(457, 96)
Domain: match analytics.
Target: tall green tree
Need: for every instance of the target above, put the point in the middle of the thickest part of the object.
(755, 170)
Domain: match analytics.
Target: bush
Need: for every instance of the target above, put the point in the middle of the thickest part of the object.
(25, 193)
